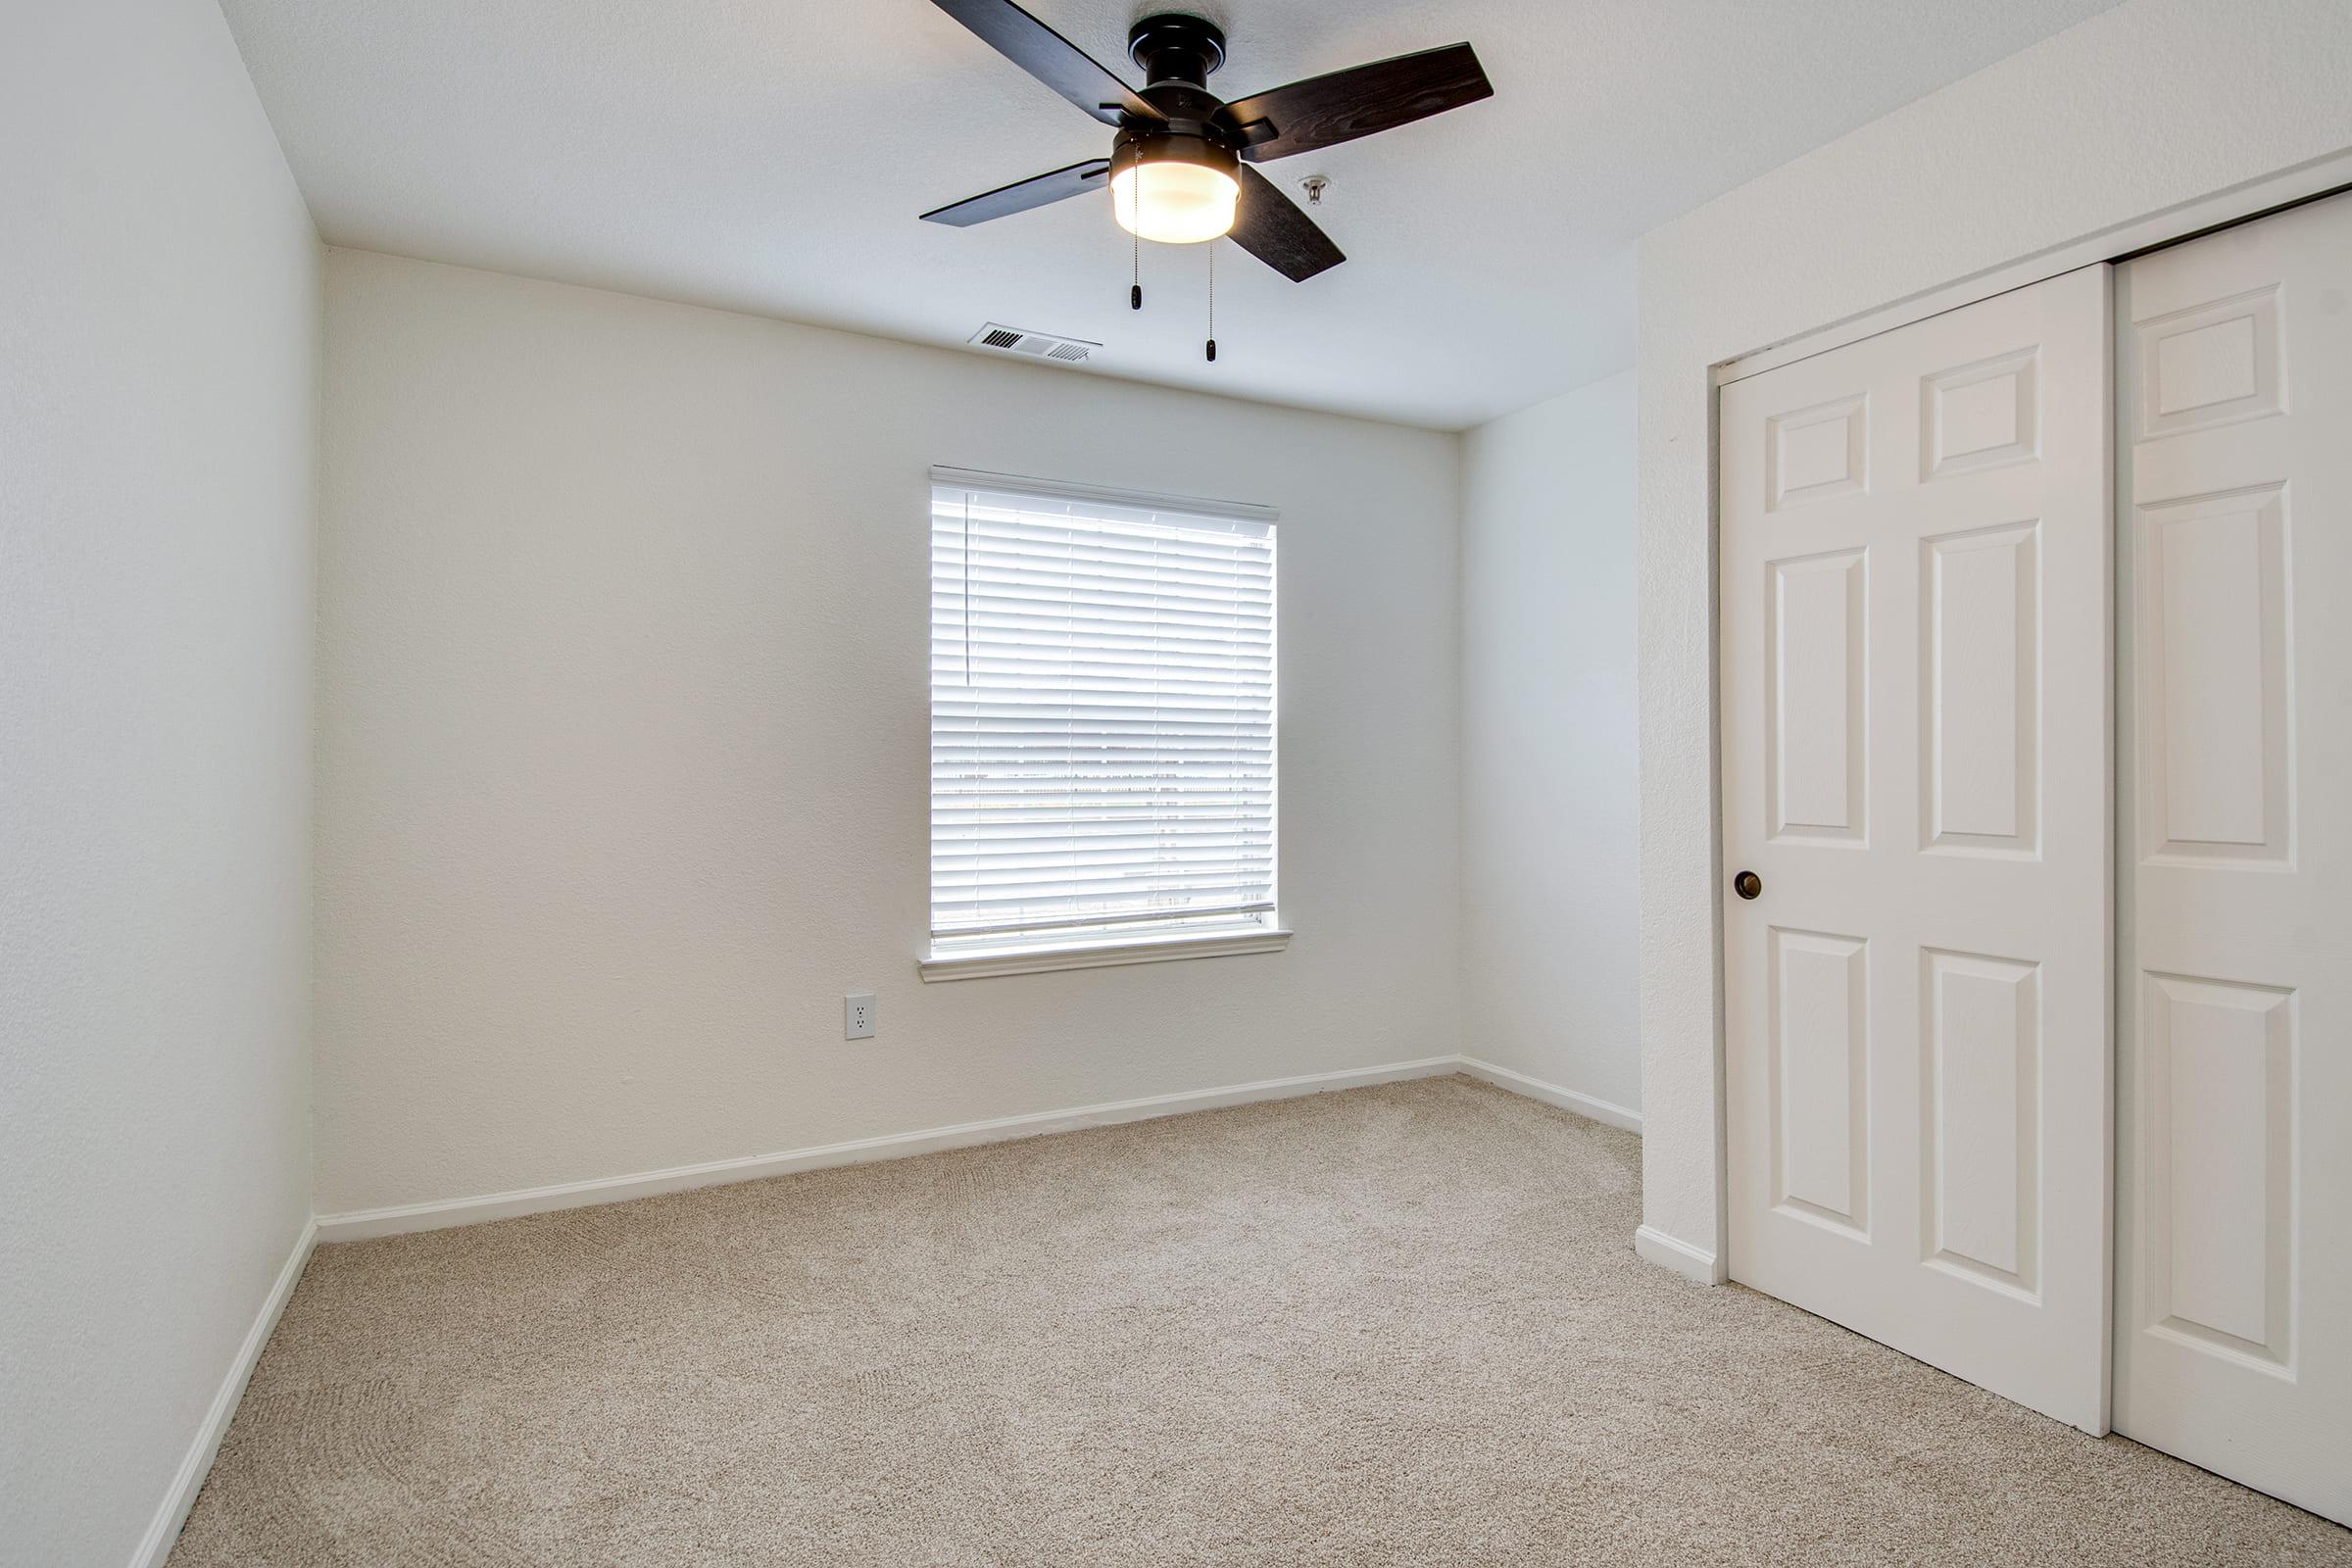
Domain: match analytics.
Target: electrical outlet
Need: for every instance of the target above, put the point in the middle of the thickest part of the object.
(858, 1016)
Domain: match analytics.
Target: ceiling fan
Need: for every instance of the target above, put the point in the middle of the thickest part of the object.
(1179, 168)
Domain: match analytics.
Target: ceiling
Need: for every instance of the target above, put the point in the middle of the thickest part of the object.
(771, 156)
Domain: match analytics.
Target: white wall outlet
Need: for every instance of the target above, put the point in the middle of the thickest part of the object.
(858, 1016)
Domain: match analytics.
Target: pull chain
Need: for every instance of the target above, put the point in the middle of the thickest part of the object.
(1213, 300)
(1135, 289)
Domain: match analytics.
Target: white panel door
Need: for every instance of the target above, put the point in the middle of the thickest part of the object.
(1916, 698)
(2233, 1262)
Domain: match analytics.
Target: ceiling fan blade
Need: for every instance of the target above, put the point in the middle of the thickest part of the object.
(1270, 227)
(1038, 190)
(1050, 58)
(1323, 111)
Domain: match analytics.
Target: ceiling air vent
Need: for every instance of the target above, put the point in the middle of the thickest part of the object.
(1033, 345)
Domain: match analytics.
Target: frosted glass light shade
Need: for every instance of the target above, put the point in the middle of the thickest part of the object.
(1183, 204)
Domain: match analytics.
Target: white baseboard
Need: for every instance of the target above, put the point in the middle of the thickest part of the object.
(361, 1223)
(163, 1529)
(1681, 1256)
(1586, 1105)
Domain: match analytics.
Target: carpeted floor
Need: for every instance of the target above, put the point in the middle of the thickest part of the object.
(1400, 1325)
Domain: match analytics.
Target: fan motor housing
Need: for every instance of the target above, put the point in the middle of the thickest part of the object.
(1172, 47)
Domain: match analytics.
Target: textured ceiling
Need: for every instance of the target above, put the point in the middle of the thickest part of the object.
(771, 155)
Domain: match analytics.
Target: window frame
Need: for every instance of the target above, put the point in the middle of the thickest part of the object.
(953, 957)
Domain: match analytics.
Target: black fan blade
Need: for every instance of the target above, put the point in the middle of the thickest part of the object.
(1050, 58)
(1270, 227)
(1323, 111)
(1037, 191)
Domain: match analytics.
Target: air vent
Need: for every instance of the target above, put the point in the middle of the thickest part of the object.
(1033, 345)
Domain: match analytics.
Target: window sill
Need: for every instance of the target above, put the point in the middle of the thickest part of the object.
(984, 963)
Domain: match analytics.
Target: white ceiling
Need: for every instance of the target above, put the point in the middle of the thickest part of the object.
(771, 156)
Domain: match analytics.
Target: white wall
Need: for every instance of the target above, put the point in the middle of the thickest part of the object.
(2142, 109)
(623, 738)
(159, 319)
(1550, 793)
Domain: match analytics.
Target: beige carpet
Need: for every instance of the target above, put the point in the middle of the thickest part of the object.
(1394, 1326)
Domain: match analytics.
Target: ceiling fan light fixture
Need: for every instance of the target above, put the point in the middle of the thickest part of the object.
(1177, 166)
(1174, 190)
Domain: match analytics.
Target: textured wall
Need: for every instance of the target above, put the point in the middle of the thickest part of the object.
(625, 733)
(158, 370)
(1551, 788)
(2139, 109)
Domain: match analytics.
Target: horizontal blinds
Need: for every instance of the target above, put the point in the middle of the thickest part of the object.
(1101, 714)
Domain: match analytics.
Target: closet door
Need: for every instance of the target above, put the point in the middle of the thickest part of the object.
(2234, 1268)
(1916, 690)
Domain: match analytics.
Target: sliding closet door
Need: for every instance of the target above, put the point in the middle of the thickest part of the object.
(1917, 654)
(2234, 1265)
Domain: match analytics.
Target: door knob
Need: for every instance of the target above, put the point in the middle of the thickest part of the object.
(1748, 884)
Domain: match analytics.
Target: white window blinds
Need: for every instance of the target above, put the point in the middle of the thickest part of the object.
(1102, 717)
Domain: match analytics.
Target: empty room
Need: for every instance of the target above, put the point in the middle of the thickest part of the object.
(1409, 784)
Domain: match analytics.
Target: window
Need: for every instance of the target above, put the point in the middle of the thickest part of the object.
(1102, 726)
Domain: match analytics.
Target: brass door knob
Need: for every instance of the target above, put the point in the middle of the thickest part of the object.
(1748, 884)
